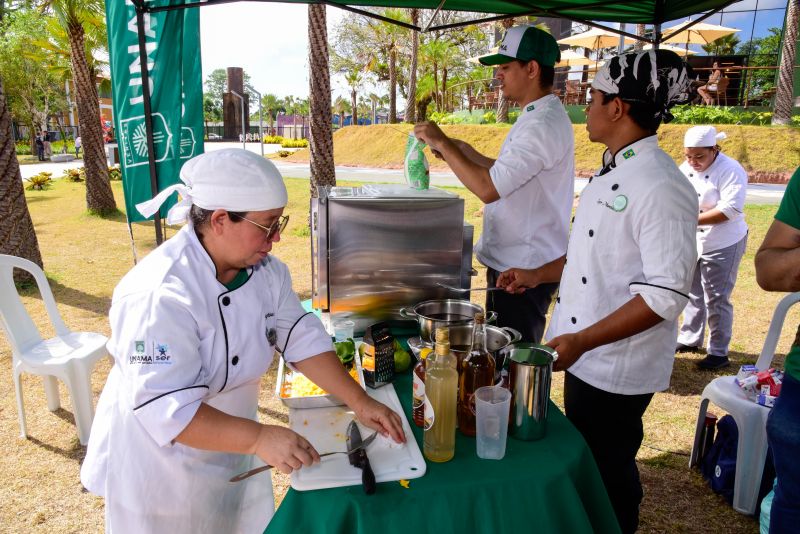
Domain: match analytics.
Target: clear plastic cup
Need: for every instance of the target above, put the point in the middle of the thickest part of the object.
(343, 329)
(492, 405)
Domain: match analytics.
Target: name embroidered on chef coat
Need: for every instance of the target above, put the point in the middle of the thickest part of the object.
(158, 356)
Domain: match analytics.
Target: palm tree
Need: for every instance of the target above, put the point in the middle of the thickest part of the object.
(390, 34)
(411, 101)
(639, 45)
(724, 46)
(17, 235)
(75, 16)
(374, 99)
(320, 141)
(272, 105)
(342, 106)
(354, 78)
(784, 93)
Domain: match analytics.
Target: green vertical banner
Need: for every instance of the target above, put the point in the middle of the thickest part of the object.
(172, 41)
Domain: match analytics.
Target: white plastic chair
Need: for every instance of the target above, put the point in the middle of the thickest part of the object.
(69, 356)
(750, 417)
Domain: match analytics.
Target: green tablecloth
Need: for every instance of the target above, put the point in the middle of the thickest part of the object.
(550, 485)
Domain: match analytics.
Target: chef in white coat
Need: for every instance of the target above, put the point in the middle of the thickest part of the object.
(194, 327)
(627, 271)
(721, 185)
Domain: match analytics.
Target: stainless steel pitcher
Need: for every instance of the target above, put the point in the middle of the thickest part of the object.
(531, 369)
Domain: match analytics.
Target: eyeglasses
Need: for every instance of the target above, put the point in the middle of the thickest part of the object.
(275, 228)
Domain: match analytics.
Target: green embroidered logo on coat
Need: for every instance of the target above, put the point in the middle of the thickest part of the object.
(628, 154)
(530, 108)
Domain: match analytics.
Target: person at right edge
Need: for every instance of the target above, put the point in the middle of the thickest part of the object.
(778, 269)
(528, 190)
(721, 185)
(627, 272)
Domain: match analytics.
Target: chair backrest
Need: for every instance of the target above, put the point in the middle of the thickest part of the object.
(775, 327)
(722, 84)
(16, 321)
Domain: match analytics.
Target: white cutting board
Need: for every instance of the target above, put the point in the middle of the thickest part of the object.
(326, 429)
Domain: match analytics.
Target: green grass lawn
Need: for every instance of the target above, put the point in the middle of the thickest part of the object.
(84, 258)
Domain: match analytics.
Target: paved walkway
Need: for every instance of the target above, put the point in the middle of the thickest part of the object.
(756, 193)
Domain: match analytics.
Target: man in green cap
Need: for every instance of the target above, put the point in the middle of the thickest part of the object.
(528, 190)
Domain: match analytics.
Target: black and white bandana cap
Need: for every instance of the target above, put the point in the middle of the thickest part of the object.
(658, 77)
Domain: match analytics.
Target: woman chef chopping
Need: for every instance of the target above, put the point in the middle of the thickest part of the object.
(194, 326)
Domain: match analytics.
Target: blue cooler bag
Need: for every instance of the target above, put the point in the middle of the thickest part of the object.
(719, 465)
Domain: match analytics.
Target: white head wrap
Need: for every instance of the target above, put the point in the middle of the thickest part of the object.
(702, 136)
(232, 179)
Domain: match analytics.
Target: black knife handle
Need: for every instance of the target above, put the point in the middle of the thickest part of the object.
(368, 479)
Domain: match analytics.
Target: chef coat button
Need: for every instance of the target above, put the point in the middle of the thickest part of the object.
(591, 233)
(698, 195)
(558, 299)
(583, 279)
(574, 320)
(706, 177)
(590, 179)
(690, 175)
(615, 187)
(235, 360)
(573, 219)
(226, 300)
(701, 230)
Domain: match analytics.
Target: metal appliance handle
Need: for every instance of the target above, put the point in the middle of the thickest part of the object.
(406, 314)
(515, 335)
(491, 316)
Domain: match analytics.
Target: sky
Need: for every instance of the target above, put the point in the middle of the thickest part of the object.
(270, 40)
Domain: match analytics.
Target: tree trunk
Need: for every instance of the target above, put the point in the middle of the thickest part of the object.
(784, 92)
(320, 141)
(17, 235)
(639, 45)
(411, 101)
(353, 104)
(444, 90)
(392, 85)
(99, 197)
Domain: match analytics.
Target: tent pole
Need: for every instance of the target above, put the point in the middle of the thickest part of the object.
(148, 119)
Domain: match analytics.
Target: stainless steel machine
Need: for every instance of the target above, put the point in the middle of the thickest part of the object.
(380, 247)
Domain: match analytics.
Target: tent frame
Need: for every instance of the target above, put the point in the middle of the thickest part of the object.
(142, 8)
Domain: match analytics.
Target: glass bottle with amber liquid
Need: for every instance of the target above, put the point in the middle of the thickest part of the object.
(477, 370)
(441, 383)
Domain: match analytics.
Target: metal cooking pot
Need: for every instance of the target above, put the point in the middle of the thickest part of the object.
(433, 314)
(498, 339)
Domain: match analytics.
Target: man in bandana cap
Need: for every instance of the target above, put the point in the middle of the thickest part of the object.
(528, 190)
(194, 327)
(627, 271)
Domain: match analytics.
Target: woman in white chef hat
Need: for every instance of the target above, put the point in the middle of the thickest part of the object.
(721, 185)
(194, 326)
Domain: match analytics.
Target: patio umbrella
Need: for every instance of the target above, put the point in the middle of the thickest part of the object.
(572, 59)
(594, 39)
(700, 34)
(677, 49)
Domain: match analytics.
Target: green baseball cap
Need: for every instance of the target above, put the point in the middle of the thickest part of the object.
(525, 43)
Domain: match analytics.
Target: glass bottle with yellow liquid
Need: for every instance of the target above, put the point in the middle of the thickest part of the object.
(477, 370)
(441, 385)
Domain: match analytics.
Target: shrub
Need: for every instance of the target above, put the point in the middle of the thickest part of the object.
(40, 181)
(273, 139)
(114, 173)
(75, 175)
(23, 148)
(723, 115)
(284, 153)
(489, 117)
(294, 143)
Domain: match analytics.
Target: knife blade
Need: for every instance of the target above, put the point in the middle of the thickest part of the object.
(358, 457)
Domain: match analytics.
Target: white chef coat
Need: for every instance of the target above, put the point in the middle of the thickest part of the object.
(723, 185)
(179, 338)
(633, 234)
(534, 175)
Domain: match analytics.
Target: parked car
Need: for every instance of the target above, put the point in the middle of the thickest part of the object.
(214, 137)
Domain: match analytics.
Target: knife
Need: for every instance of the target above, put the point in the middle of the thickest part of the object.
(358, 457)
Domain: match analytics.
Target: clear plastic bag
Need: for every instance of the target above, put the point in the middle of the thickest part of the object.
(415, 167)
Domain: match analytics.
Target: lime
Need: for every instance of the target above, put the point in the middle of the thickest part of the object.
(402, 361)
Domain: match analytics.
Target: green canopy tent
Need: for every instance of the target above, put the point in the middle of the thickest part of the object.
(140, 14)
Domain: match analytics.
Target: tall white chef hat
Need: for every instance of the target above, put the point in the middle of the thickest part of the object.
(702, 137)
(232, 179)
